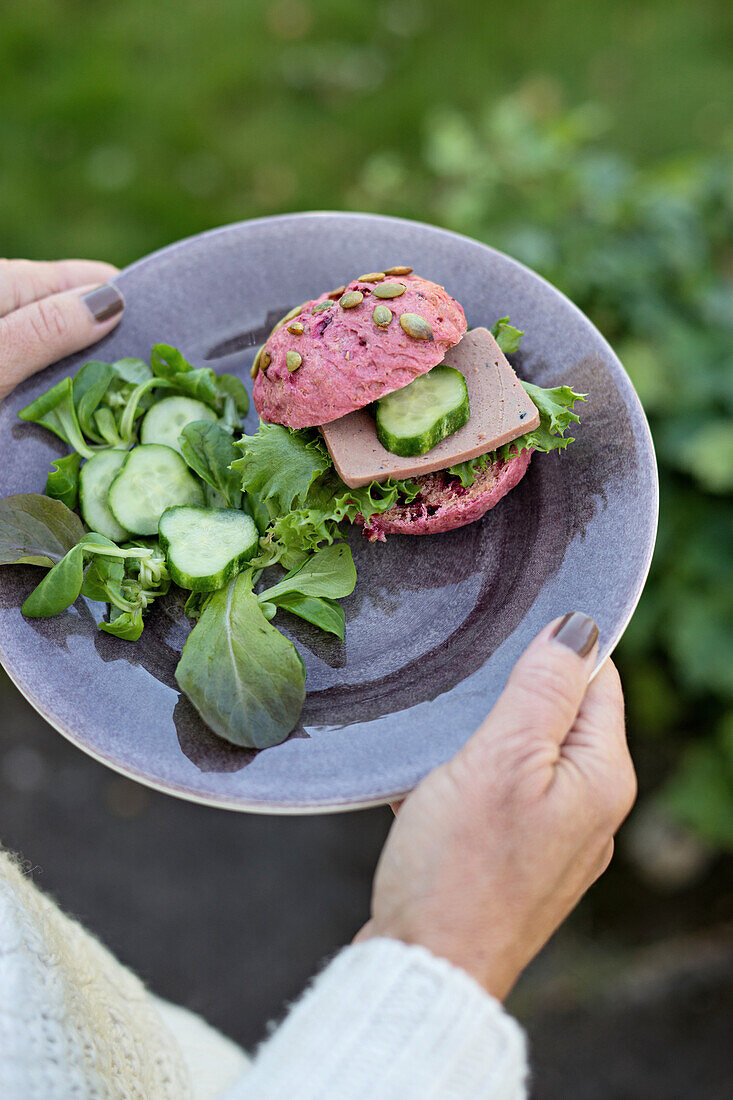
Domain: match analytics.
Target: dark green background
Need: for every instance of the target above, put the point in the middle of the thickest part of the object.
(125, 126)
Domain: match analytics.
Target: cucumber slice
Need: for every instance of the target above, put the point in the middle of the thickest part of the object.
(152, 479)
(94, 481)
(412, 420)
(165, 421)
(206, 547)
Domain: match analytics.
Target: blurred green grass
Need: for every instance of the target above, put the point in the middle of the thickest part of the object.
(126, 126)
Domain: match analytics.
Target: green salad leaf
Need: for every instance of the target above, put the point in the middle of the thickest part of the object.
(62, 482)
(195, 604)
(279, 465)
(103, 579)
(101, 405)
(59, 588)
(506, 335)
(63, 583)
(35, 530)
(312, 589)
(329, 572)
(106, 424)
(124, 624)
(167, 361)
(322, 612)
(201, 384)
(245, 679)
(556, 415)
(56, 411)
(136, 404)
(89, 386)
(100, 388)
(132, 370)
(328, 503)
(228, 385)
(289, 472)
(210, 451)
(129, 578)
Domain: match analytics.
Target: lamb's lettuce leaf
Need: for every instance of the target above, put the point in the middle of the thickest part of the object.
(312, 589)
(56, 411)
(167, 361)
(132, 370)
(322, 612)
(59, 588)
(209, 450)
(104, 579)
(63, 583)
(330, 572)
(195, 604)
(35, 530)
(89, 386)
(245, 679)
(124, 624)
(229, 386)
(201, 383)
(62, 482)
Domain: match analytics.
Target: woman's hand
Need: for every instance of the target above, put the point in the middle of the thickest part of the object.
(50, 310)
(492, 850)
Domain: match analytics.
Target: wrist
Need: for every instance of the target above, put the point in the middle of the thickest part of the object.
(490, 968)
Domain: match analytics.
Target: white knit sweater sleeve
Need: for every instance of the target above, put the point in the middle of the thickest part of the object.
(391, 1021)
(382, 1020)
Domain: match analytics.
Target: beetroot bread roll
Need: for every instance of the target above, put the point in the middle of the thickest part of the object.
(444, 504)
(333, 357)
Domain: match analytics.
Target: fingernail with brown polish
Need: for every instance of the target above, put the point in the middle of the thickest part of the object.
(104, 302)
(578, 632)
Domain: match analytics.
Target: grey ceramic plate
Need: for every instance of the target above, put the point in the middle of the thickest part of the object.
(436, 622)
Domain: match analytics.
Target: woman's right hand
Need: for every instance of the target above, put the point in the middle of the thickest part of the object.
(494, 848)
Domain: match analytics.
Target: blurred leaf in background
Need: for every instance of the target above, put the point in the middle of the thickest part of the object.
(647, 253)
(126, 126)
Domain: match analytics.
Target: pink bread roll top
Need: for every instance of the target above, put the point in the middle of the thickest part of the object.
(346, 359)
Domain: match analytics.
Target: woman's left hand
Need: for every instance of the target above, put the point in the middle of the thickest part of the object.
(51, 310)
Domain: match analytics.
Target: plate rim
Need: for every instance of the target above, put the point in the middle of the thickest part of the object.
(299, 809)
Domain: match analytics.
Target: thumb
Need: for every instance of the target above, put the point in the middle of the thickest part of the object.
(544, 690)
(45, 331)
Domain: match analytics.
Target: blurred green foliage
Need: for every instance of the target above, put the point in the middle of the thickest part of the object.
(648, 254)
(126, 126)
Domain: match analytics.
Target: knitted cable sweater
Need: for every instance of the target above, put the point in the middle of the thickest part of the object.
(381, 1020)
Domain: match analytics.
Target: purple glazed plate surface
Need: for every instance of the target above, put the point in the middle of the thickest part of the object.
(435, 622)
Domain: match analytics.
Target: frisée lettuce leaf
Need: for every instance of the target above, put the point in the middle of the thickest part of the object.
(279, 465)
(289, 471)
(556, 415)
(507, 336)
